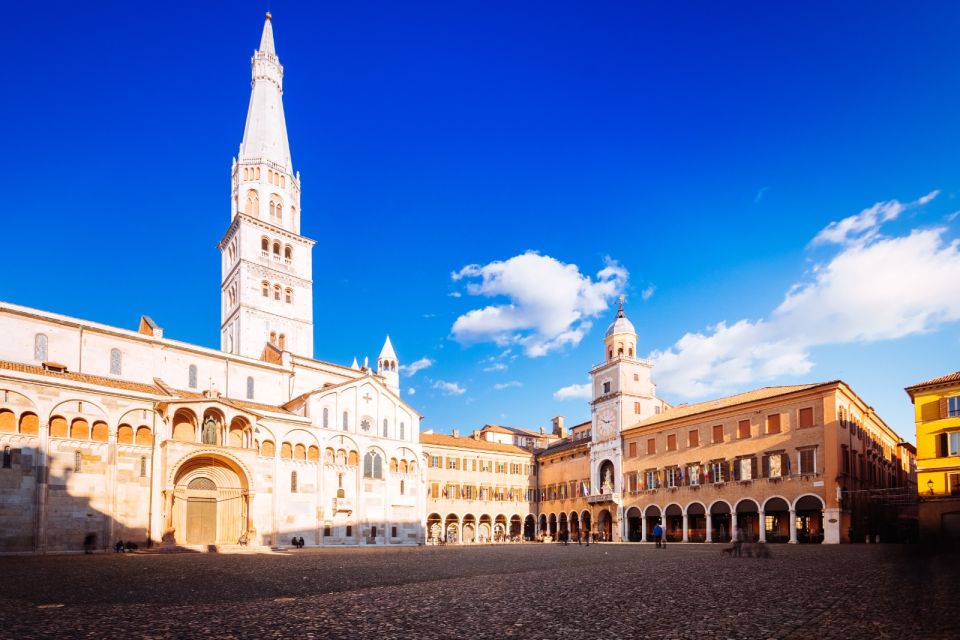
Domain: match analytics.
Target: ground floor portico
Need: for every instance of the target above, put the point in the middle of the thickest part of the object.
(774, 519)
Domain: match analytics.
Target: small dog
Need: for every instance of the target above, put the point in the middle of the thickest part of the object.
(726, 551)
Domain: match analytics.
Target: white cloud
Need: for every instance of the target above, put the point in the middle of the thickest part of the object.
(549, 303)
(415, 366)
(647, 293)
(500, 386)
(873, 288)
(449, 388)
(454, 294)
(411, 391)
(864, 226)
(496, 366)
(757, 198)
(574, 392)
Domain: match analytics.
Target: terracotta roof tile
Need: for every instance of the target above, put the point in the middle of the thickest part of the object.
(684, 410)
(246, 404)
(82, 377)
(950, 377)
(564, 445)
(469, 443)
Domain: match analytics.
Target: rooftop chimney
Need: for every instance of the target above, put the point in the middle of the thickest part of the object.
(456, 433)
(558, 429)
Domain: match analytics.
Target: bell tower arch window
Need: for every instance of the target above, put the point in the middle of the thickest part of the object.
(252, 204)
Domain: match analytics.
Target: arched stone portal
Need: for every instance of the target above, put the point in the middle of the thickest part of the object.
(209, 502)
(605, 525)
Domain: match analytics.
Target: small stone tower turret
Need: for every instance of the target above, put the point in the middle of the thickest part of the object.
(388, 367)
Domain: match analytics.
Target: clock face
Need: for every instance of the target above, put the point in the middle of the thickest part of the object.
(606, 424)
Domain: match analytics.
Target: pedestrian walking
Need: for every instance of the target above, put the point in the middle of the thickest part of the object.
(658, 535)
(738, 537)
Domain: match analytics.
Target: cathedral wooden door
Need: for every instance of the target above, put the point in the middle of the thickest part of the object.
(201, 521)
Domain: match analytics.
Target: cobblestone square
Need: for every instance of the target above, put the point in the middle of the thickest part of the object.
(516, 591)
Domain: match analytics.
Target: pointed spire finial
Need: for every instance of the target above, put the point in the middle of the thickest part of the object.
(266, 40)
(620, 310)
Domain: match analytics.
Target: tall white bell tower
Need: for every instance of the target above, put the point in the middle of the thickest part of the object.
(267, 266)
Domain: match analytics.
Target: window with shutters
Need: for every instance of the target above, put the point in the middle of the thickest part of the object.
(953, 407)
(718, 471)
(693, 475)
(805, 418)
(775, 466)
(632, 449)
(954, 481)
(650, 480)
(672, 476)
(949, 444)
(743, 429)
(693, 438)
(745, 469)
(717, 434)
(672, 442)
(651, 446)
(807, 461)
(773, 423)
(636, 408)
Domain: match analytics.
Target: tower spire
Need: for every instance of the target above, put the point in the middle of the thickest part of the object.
(265, 133)
(266, 40)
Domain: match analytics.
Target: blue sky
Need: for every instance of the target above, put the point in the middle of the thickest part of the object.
(694, 150)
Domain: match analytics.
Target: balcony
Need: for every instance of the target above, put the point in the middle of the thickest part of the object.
(603, 497)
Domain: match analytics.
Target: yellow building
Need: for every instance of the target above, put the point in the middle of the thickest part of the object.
(478, 491)
(937, 410)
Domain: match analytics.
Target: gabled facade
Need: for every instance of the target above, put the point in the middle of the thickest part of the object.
(111, 434)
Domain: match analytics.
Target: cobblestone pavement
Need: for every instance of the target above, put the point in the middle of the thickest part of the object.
(511, 591)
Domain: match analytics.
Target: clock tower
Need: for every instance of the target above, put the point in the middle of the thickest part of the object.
(623, 394)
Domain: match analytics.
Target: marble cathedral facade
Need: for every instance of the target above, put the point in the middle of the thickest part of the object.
(123, 434)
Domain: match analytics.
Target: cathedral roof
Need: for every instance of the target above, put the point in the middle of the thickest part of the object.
(82, 377)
